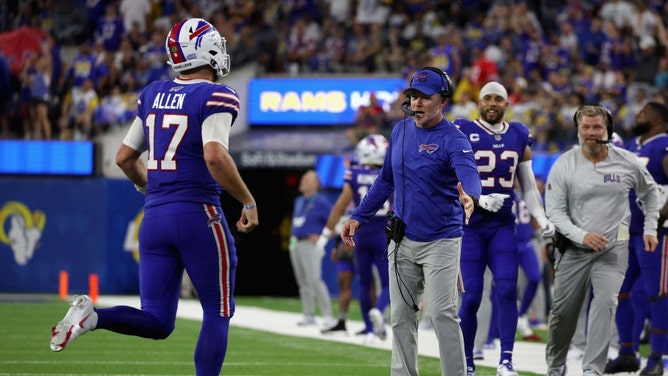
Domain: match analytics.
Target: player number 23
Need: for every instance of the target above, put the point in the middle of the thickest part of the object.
(487, 165)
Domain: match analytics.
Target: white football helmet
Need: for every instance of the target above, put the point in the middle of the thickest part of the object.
(617, 140)
(371, 150)
(192, 43)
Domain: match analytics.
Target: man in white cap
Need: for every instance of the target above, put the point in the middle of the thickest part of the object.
(502, 151)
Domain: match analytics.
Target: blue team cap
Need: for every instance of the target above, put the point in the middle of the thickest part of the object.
(427, 82)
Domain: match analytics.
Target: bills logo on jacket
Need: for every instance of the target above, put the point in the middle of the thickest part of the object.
(430, 148)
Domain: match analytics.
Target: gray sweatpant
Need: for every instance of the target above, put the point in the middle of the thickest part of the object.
(307, 267)
(576, 271)
(413, 266)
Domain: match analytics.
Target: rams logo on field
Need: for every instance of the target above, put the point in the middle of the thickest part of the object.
(25, 230)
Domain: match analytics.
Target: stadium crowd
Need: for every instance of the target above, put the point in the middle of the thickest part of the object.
(551, 55)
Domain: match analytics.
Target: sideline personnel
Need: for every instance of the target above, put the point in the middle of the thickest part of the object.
(587, 200)
(430, 168)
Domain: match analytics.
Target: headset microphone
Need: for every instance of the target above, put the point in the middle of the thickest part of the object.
(406, 107)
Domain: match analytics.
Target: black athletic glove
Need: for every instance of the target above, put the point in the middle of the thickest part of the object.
(549, 250)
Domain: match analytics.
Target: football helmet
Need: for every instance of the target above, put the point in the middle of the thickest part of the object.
(192, 43)
(371, 150)
(617, 140)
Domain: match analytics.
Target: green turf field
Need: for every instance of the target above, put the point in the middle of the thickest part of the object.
(25, 325)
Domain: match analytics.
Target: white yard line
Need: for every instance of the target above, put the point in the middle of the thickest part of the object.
(526, 357)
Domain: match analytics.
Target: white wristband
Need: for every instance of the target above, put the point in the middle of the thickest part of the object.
(141, 190)
(326, 232)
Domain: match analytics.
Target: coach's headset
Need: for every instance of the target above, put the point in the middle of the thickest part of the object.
(609, 118)
(446, 85)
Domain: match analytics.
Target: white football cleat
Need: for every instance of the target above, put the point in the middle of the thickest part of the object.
(378, 322)
(370, 339)
(80, 318)
(506, 369)
(523, 326)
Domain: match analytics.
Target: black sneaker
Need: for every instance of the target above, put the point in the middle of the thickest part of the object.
(654, 367)
(625, 362)
(339, 328)
(361, 332)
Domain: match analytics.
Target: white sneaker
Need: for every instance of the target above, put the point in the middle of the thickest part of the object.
(80, 318)
(369, 339)
(307, 321)
(523, 326)
(506, 369)
(378, 322)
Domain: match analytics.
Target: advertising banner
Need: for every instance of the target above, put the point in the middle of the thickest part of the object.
(314, 100)
(20, 157)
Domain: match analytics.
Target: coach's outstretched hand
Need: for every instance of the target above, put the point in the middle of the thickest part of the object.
(467, 203)
(348, 231)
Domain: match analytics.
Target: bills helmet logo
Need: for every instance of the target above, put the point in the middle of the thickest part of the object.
(190, 33)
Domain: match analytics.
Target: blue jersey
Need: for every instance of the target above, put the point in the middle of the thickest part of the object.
(360, 179)
(651, 153)
(110, 31)
(83, 67)
(497, 156)
(310, 215)
(423, 166)
(443, 57)
(173, 112)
